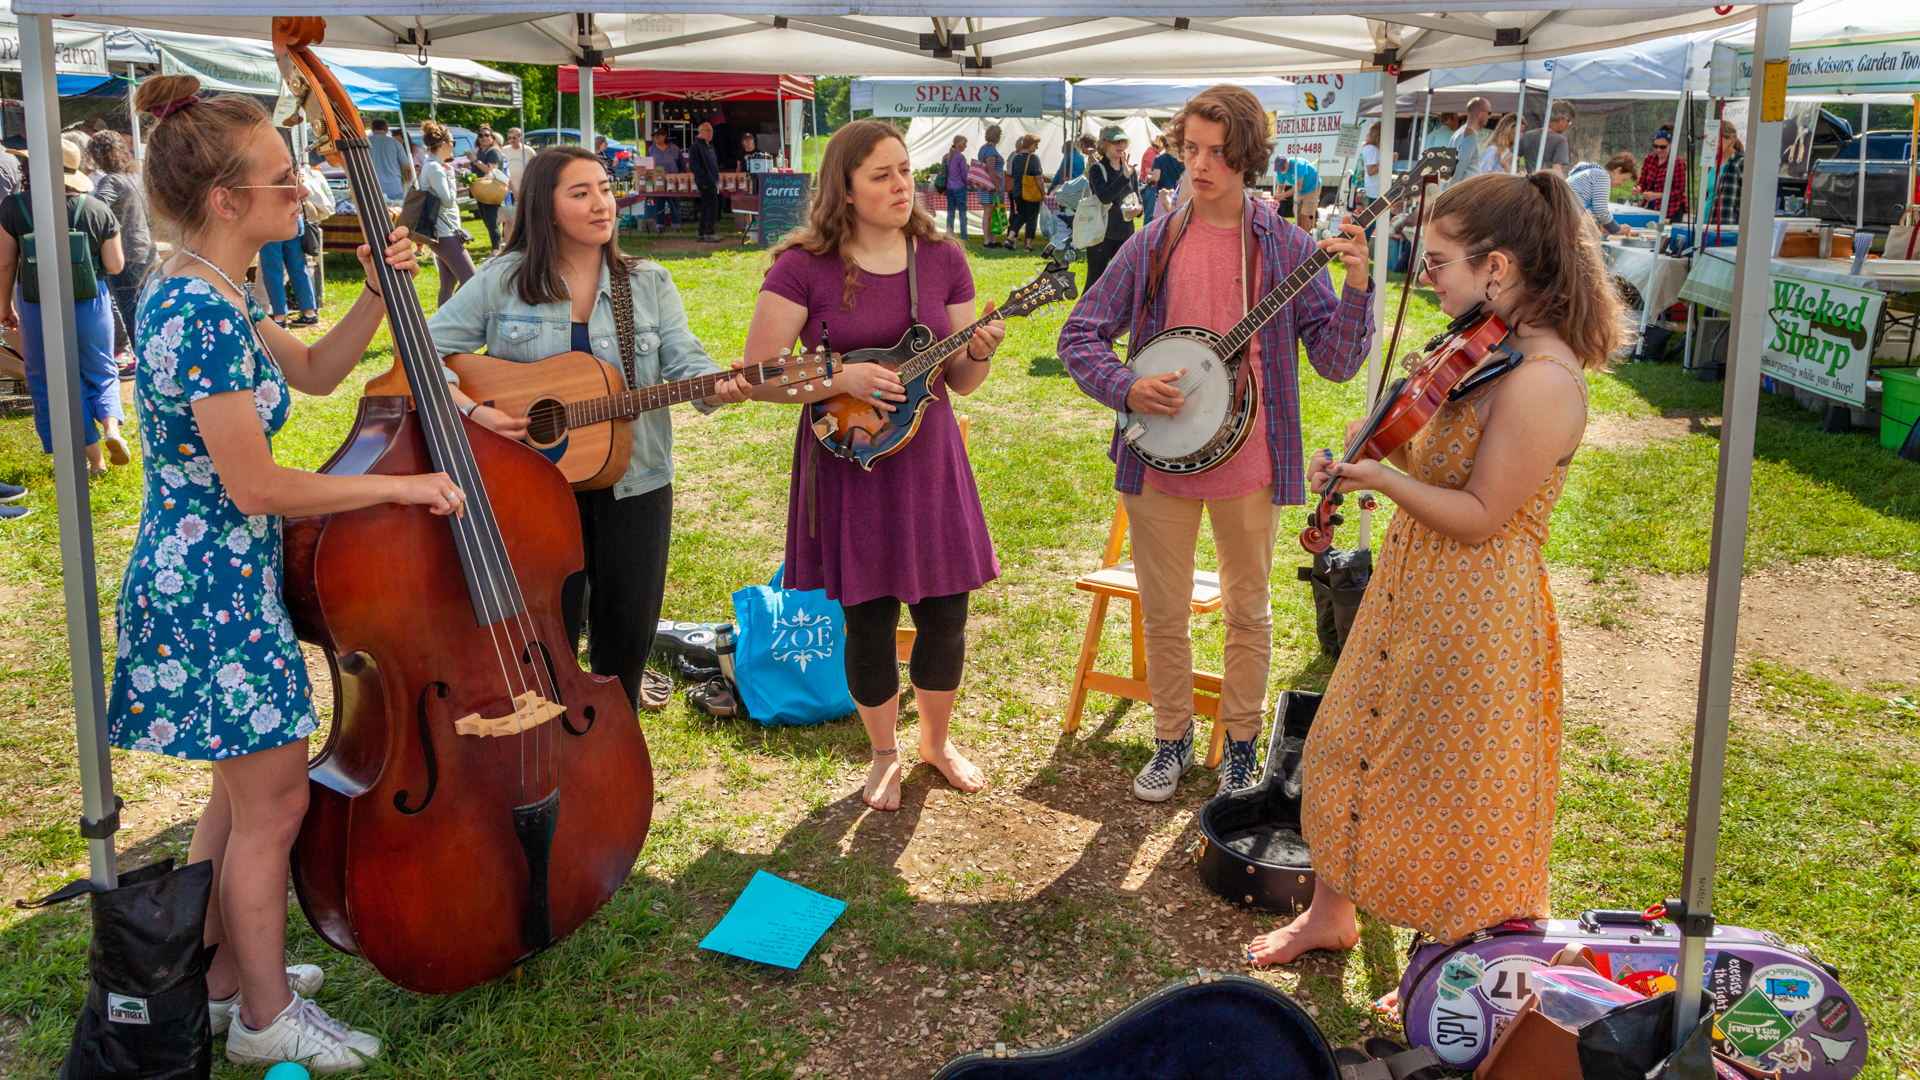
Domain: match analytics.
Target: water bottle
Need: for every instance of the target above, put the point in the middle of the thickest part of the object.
(723, 641)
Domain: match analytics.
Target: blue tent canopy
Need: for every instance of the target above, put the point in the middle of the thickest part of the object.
(233, 64)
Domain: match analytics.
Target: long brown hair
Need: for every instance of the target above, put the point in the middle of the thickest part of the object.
(830, 219)
(1242, 118)
(1555, 247)
(190, 148)
(536, 235)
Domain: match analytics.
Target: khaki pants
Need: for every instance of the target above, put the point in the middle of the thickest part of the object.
(1164, 530)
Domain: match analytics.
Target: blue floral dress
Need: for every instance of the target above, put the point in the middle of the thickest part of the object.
(207, 665)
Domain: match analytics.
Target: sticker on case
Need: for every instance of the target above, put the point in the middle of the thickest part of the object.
(1753, 1026)
(1790, 987)
(1791, 1056)
(1507, 983)
(1731, 977)
(1459, 975)
(1457, 1030)
(1834, 1013)
(1834, 1050)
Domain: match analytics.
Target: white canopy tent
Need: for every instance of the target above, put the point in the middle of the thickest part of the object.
(1164, 97)
(1085, 37)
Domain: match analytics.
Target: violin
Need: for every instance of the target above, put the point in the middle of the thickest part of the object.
(479, 796)
(1470, 353)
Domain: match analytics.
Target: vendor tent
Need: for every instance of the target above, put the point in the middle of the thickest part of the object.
(958, 96)
(1841, 48)
(631, 85)
(234, 65)
(443, 79)
(1083, 38)
(1162, 97)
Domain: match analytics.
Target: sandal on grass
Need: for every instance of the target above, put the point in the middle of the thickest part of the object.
(713, 697)
(655, 690)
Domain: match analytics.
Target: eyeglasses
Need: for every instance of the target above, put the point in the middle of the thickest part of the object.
(1660, 145)
(1428, 266)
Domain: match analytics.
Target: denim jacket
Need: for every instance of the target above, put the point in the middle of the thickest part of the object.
(488, 315)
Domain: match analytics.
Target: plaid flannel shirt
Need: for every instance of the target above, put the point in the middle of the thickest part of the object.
(1725, 209)
(1336, 331)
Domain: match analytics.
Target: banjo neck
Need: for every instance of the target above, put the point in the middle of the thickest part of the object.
(1235, 340)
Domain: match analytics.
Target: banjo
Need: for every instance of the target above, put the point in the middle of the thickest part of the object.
(1220, 404)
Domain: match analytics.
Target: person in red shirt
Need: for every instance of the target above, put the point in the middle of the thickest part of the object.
(1653, 177)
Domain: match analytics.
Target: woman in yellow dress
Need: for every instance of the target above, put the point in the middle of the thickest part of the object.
(1433, 767)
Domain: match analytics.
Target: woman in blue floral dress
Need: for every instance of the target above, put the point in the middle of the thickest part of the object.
(207, 666)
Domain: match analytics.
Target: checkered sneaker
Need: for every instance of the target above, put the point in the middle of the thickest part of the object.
(1238, 769)
(1161, 778)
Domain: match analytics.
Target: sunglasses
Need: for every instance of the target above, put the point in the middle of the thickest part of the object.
(1661, 145)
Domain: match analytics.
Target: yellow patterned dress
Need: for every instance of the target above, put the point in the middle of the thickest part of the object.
(1434, 763)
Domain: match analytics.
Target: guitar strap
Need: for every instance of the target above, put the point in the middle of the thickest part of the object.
(623, 324)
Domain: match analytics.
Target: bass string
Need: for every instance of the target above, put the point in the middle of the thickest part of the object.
(453, 454)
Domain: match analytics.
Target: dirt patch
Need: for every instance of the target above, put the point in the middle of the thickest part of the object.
(1614, 431)
(1633, 642)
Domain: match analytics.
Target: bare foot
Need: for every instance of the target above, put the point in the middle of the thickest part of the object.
(959, 772)
(883, 783)
(1303, 935)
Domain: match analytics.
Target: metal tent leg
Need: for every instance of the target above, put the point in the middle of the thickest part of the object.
(99, 808)
(1739, 418)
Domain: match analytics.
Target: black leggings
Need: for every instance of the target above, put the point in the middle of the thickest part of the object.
(617, 598)
(939, 646)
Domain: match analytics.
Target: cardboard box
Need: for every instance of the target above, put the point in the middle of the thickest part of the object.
(1533, 1047)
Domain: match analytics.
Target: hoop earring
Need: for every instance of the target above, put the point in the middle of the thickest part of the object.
(1493, 290)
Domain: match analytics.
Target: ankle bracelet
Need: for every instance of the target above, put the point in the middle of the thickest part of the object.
(886, 753)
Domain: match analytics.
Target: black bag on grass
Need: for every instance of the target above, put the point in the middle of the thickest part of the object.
(1635, 1042)
(1339, 580)
(145, 1014)
(1207, 1026)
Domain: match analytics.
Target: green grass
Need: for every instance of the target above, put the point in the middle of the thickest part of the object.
(965, 950)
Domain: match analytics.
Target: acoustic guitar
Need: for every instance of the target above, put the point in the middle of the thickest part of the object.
(851, 428)
(580, 414)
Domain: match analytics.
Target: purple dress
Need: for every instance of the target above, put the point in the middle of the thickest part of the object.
(912, 528)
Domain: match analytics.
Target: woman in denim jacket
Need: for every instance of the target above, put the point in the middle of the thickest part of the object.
(517, 308)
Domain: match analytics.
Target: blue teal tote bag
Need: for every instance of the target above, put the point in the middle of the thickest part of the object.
(789, 663)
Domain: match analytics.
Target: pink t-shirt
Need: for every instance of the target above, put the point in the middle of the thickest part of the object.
(1204, 289)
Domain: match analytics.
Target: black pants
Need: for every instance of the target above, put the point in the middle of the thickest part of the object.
(1025, 214)
(709, 208)
(618, 596)
(490, 217)
(1098, 256)
(873, 658)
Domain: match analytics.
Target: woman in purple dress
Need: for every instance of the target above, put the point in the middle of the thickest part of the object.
(911, 531)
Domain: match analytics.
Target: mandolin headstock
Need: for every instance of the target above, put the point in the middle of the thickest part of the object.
(797, 370)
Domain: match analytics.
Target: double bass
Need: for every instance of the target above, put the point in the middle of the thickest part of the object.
(479, 796)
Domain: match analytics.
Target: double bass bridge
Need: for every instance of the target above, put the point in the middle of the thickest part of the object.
(530, 710)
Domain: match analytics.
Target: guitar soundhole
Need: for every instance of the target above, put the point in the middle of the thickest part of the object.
(546, 421)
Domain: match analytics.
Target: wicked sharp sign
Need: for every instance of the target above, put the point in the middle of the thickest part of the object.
(957, 97)
(1820, 336)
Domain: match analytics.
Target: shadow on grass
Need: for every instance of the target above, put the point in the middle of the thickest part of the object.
(1046, 367)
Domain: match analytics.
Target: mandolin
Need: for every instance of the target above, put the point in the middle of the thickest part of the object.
(580, 414)
(852, 429)
(478, 796)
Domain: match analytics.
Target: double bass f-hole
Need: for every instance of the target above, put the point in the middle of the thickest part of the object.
(440, 690)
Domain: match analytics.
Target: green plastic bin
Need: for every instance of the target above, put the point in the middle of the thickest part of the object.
(1899, 405)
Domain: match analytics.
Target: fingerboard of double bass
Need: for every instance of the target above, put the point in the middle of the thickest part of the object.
(1263, 312)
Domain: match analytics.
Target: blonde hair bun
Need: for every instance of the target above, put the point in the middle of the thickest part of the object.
(164, 90)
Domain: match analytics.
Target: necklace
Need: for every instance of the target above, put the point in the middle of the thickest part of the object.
(238, 291)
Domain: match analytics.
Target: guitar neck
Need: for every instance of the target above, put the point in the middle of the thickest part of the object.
(1263, 312)
(630, 403)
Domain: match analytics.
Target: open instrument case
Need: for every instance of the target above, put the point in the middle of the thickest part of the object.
(1251, 851)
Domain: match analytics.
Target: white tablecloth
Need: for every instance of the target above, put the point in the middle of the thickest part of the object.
(1656, 277)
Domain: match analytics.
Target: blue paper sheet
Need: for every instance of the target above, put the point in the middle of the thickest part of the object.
(774, 922)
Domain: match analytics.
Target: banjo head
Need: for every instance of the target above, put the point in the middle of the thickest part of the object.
(1207, 386)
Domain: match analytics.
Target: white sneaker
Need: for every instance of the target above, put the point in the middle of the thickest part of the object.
(303, 1032)
(1158, 780)
(303, 979)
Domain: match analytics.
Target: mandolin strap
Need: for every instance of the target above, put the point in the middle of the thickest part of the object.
(623, 323)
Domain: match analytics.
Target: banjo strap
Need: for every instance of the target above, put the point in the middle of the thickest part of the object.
(1161, 257)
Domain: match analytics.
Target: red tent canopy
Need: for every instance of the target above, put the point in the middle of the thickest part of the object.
(633, 85)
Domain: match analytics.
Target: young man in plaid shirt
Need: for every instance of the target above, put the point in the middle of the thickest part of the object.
(1222, 136)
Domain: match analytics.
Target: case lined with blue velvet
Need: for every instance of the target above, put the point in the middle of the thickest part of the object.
(1207, 1026)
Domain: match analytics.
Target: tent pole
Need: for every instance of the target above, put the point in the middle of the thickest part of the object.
(98, 806)
(1519, 125)
(1420, 137)
(133, 114)
(586, 106)
(1860, 185)
(1739, 409)
(1389, 90)
(1666, 189)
